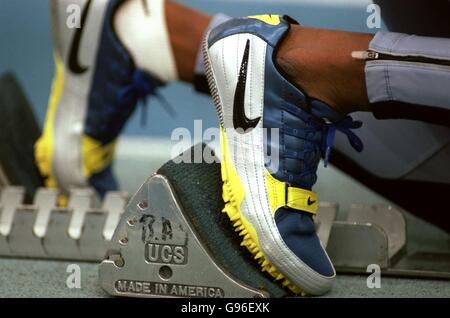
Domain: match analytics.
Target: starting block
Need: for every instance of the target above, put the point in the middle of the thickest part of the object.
(156, 252)
(170, 239)
(376, 234)
(43, 230)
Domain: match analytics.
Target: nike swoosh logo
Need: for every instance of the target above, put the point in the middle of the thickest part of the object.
(74, 64)
(311, 202)
(240, 119)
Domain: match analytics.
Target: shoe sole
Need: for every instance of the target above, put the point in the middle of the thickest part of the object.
(233, 191)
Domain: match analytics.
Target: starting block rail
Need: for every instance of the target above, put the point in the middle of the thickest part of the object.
(44, 230)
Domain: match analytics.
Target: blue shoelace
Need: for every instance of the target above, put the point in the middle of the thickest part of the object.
(139, 89)
(324, 145)
(143, 85)
(344, 126)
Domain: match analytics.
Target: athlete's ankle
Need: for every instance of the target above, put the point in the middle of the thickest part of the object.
(186, 28)
(320, 62)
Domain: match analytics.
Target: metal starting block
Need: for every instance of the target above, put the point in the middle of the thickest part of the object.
(43, 230)
(376, 235)
(155, 252)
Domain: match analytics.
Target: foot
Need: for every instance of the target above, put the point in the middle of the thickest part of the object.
(269, 198)
(96, 88)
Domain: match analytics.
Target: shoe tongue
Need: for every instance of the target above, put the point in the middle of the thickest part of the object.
(322, 110)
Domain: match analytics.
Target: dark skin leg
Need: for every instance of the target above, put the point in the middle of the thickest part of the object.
(181, 21)
(320, 62)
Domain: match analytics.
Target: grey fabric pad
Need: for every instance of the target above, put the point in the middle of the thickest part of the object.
(198, 187)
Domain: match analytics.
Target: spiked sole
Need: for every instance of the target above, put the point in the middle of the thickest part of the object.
(233, 191)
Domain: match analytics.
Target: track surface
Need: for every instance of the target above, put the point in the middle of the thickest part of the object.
(33, 278)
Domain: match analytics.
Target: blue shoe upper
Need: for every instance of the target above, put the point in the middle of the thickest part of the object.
(306, 133)
(117, 88)
(104, 181)
(117, 84)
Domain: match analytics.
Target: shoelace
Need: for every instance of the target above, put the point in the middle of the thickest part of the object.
(345, 126)
(325, 145)
(139, 89)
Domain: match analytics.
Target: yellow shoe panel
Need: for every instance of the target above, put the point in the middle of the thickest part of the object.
(234, 195)
(44, 145)
(271, 19)
(281, 195)
(96, 157)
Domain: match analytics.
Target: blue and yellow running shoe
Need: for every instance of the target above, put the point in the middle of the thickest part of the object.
(95, 90)
(272, 139)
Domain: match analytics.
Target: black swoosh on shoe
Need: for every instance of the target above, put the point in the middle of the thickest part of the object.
(240, 120)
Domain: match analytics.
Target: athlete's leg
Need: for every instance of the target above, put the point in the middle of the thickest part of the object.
(386, 156)
(412, 88)
(388, 67)
(398, 170)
